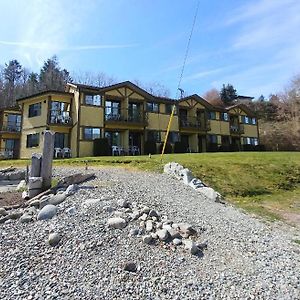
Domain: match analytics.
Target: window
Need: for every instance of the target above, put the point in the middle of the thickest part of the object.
(224, 116)
(253, 121)
(91, 133)
(14, 122)
(212, 139)
(173, 137)
(34, 110)
(152, 107)
(212, 115)
(59, 113)
(250, 141)
(113, 110)
(153, 136)
(61, 140)
(169, 108)
(92, 100)
(33, 140)
(114, 138)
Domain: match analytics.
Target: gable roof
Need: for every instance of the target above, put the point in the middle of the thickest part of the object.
(243, 107)
(44, 93)
(200, 100)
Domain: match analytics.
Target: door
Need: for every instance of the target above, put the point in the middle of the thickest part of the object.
(185, 142)
(134, 112)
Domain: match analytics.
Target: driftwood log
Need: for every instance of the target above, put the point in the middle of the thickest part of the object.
(9, 169)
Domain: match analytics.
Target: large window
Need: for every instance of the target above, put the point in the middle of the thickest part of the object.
(224, 116)
(113, 110)
(35, 110)
(33, 140)
(153, 136)
(212, 115)
(13, 122)
(91, 133)
(153, 107)
(114, 138)
(173, 137)
(59, 113)
(93, 100)
(250, 141)
(212, 139)
(61, 140)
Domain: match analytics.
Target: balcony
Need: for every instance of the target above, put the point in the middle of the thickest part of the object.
(11, 127)
(60, 118)
(6, 153)
(193, 123)
(237, 129)
(125, 116)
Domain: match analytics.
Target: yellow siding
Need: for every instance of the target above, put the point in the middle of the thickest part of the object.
(27, 152)
(37, 121)
(250, 131)
(215, 127)
(91, 116)
(160, 122)
(86, 148)
(224, 128)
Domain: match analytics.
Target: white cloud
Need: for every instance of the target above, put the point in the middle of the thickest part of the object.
(202, 74)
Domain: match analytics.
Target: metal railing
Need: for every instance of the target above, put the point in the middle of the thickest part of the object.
(6, 153)
(60, 117)
(10, 127)
(237, 129)
(193, 123)
(125, 115)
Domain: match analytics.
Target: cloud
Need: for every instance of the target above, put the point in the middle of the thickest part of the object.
(202, 74)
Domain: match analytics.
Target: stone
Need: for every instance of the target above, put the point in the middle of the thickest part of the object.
(31, 211)
(71, 210)
(174, 233)
(153, 213)
(91, 202)
(147, 239)
(14, 215)
(35, 203)
(45, 201)
(135, 215)
(130, 267)
(134, 231)
(162, 234)
(186, 176)
(143, 217)
(3, 211)
(71, 189)
(202, 245)
(118, 214)
(108, 208)
(4, 219)
(154, 235)
(177, 242)
(159, 225)
(209, 193)
(149, 225)
(191, 246)
(118, 223)
(54, 239)
(124, 203)
(26, 218)
(145, 210)
(57, 199)
(196, 183)
(21, 186)
(186, 229)
(47, 212)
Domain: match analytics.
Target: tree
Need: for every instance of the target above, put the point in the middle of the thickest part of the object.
(261, 98)
(154, 88)
(228, 94)
(213, 97)
(99, 79)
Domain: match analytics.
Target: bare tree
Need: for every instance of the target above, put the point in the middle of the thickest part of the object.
(154, 88)
(213, 97)
(99, 79)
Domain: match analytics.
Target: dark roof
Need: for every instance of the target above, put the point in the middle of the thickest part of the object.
(13, 108)
(44, 93)
(198, 99)
(244, 97)
(244, 107)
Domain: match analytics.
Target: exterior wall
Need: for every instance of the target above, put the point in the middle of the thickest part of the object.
(158, 121)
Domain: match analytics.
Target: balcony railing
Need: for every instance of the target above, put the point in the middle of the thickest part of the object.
(237, 129)
(60, 118)
(193, 123)
(10, 127)
(6, 153)
(126, 116)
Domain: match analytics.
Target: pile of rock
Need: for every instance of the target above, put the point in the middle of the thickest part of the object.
(154, 229)
(12, 174)
(186, 176)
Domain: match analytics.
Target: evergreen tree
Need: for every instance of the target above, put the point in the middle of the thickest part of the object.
(228, 94)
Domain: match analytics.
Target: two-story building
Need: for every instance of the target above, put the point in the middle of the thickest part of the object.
(10, 133)
(129, 118)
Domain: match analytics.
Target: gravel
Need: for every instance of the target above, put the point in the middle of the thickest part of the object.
(238, 256)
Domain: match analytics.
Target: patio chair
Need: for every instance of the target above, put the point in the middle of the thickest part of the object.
(58, 153)
(66, 152)
(115, 150)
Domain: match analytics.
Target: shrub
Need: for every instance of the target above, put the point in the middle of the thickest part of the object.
(212, 147)
(101, 147)
(168, 148)
(179, 147)
(150, 147)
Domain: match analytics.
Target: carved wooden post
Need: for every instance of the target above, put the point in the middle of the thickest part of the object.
(46, 167)
(36, 161)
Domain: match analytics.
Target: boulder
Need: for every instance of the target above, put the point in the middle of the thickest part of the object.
(191, 246)
(57, 199)
(209, 193)
(173, 233)
(153, 213)
(54, 239)
(3, 211)
(177, 242)
(124, 203)
(149, 225)
(71, 189)
(147, 239)
(21, 186)
(162, 234)
(47, 212)
(196, 183)
(118, 223)
(26, 218)
(186, 176)
(186, 229)
(15, 214)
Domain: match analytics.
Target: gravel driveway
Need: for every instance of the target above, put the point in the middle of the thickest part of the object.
(245, 258)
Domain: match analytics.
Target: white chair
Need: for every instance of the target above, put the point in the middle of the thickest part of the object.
(58, 152)
(115, 150)
(66, 152)
(136, 150)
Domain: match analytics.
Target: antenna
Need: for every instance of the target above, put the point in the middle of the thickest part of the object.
(181, 93)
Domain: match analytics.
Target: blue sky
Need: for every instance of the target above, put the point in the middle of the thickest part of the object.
(252, 44)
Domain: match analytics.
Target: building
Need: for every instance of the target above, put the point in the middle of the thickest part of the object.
(131, 119)
(10, 133)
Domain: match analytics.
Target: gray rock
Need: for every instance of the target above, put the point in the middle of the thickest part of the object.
(186, 229)
(54, 239)
(174, 233)
(4, 219)
(147, 239)
(135, 215)
(153, 213)
(134, 231)
(130, 267)
(15, 214)
(16, 175)
(209, 193)
(31, 211)
(145, 210)
(177, 242)
(143, 217)
(118, 223)
(186, 176)
(191, 246)
(35, 203)
(196, 183)
(57, 199)
(26, 218)
(108, 208)
(124, 203)
(3, 211)
(149, 225)
(47, 212)
(71, 210)
(162, 234)
(45, 200)
(21, 186)
(71, 189)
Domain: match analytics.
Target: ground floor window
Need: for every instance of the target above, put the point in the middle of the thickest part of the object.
(61, 140)
(114, 138)
(33, 140)
(212, 138)
(91, 133)
(250, 141)
(153, 136)
(173, 137)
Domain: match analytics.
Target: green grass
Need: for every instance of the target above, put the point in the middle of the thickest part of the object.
(297, 242)
(264, 183)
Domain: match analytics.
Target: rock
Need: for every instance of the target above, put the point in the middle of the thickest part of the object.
(130, 267)
(202, 245)
(209, 193)
(21, 186)
(35, 203)
(118, 223)
(108, 208)
(90, 202)
(3, 211)
(159, 225)
(71, 189)
(191, 246)
(167, 226)
(177, 242)
(135, 215)
(47, 212)
(143, 217)
(124, 203)
(186, 230)
(142, 224)
(153, 213)
(134, 231)
(162, 234)
(149, 225)
(154, 235)
(14, 215)
(118, 214)
(128, 211)
(186, 176)
(71, 210)
(31, 211)
(45, 200)
(54, 239)
(174, 233)
(147, 239)
(57, 199)
(25, 195)
(196, 183)
(4, 219)
(145, 210)
(16, 175)
(26, 218)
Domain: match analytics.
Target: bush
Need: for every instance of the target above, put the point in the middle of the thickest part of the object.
(234, 147)
(168, 148)
(212, 147)
(179, 147)
(101, 147)
(248, 148)
(224, 148)
(150, 147)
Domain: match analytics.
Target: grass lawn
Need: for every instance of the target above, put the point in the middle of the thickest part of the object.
(264, 183)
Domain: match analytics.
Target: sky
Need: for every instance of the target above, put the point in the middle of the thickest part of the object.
(252, 44)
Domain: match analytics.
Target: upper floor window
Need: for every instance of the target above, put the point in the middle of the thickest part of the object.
(173, 137)
(153, 136)
(13, 122)
(253, 121)
(91, 133)
(33, 140)
(225, 116)
(152, 107)
(35, 110)
(212, 115)
(92, 100)
(169, 108)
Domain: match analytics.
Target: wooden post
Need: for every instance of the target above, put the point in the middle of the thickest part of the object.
(36, 161)
(46, 167)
